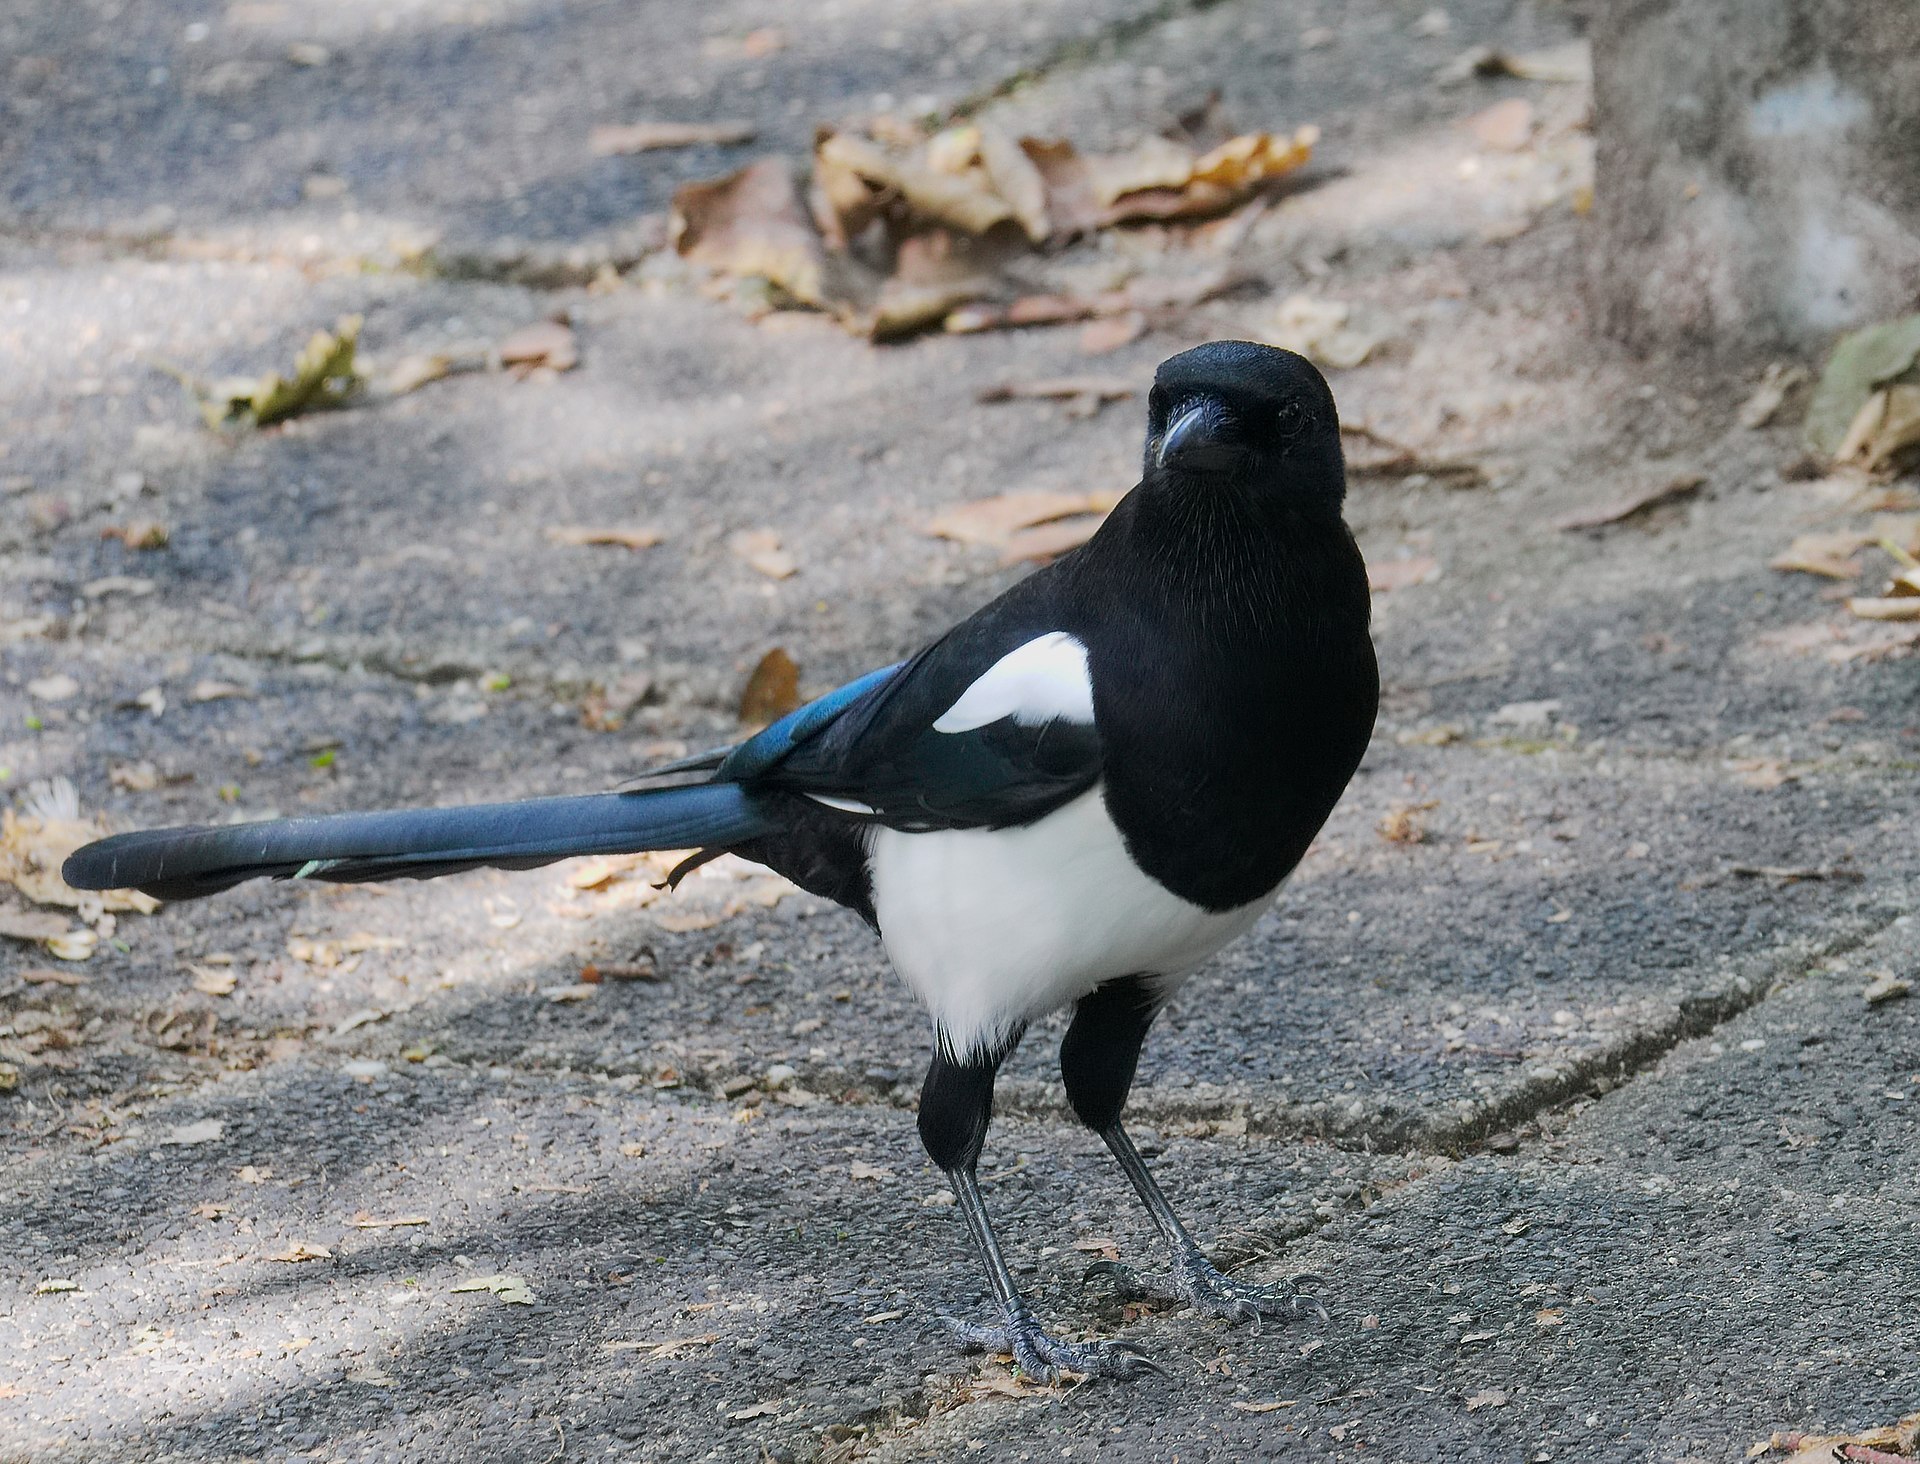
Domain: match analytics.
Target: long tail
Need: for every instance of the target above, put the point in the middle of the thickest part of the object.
(182, 864)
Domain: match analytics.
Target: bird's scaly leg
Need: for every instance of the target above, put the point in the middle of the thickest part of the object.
(1194, 1279)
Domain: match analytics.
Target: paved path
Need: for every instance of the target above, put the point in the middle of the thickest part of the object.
(1597, 1144)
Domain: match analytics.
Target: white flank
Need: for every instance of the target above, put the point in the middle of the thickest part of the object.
(994, 927)
(1044, 680)
(845, 805)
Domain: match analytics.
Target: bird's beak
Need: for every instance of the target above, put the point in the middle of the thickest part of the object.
(1199, 440)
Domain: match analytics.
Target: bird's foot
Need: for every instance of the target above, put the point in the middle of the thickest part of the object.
(1194, 1281)
(1046, 1359)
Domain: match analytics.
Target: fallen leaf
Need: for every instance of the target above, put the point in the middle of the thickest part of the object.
(1505, 126)
(300, 1251)
(1894, 607)
(140, 534)
(1770, 395)
(751, 223)
(1014, 177)
(1385, 575)
(1765, 773)
(1550, 1316)
(58, 687)
(296, 1344)
(78, 944)
(203, 1131)
(1098, 337)
(1322, 331)
(1049, 541)
(1621, 510)
(1886, 429)
(1885, 987)
(578, 991)
(772, 690)
(1861, 363)
(1271, 1406)
(54, 1285)
(965, 200)
(667, 1348)
(1403, 824)
(616, 139)
(758, 1410)
(544, 343)
(994, 521)
(760, 549)
(1099, 1245)
(860, 1169)
(685, 924)
(510, 1289)
(214, 980)
(577, 535)
(410, 373)
(206, 691)
(1487, 1398)
(48, 976)
(1890, 1445)
(324, 376)
(363, 1221)
(31, 925)
(1828, 555)
(1096, 388)
(36, 842)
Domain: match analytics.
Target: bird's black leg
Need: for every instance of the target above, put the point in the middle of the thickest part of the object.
(956, 1103)
(1097, 1059)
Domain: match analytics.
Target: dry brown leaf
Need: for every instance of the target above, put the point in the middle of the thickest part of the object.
(512, 1290)
(1323, 331)
(1402, 823)
(301, 1250)
(1828, 555)
(34, 844)
(1094, 389)
(760, 549)
(544, 343)
(758, 1410)
(1684, 485)
(687, 923)
(211, 690)
(1098, 337)
(1012, 174)
(214, 980)
(1399, 574)
(1771, 394)
(1486, 1398)
(994, 521)
(1505, 126)
(1272, 1405)
(410, 373)
(1765, 773)
(1870, 1446)
(627, 538)
(1890, 607)
(618, 138)
(751, 223)
(1886, 428)
(1103, 1246)
(966, 201)
(860, 1169)
(324, 376)
(1049, 541)
(31, 925)
(657, 1350)
(139, 534)
(48, 976)
(772, 690)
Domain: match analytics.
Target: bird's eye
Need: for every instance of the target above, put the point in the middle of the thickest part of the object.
(1290, 418)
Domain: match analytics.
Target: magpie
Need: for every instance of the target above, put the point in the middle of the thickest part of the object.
(1072, 798)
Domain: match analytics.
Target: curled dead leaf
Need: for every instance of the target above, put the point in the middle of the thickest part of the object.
(772, 689)
(616, 139)
(627, 538)
(1685, 485)
(1323, 331)
(750, 223)
(1400, 574)
(994, 521)
(760, 549)
(324, 376)
(544, 343)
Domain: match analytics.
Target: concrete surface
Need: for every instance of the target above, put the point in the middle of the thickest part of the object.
(1599, 1149)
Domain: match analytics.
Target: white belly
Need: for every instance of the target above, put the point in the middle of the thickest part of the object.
(994, 928)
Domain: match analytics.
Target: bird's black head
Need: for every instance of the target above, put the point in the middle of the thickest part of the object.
(1253, 416)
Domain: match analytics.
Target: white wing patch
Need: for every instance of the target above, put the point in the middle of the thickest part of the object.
(845, 805)
(1042, 681)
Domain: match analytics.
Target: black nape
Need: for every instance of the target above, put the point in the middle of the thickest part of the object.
(1101, 1050)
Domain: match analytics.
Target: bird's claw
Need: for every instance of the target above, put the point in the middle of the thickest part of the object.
(1194, 1281)
(1047, 1359)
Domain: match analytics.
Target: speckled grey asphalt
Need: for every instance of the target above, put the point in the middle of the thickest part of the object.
(1597, 1146)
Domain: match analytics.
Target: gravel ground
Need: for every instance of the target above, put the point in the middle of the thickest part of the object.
(1587, 1126)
